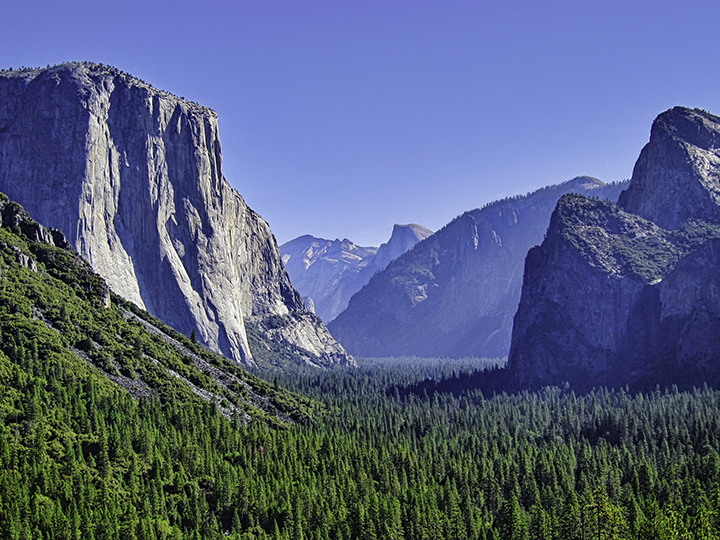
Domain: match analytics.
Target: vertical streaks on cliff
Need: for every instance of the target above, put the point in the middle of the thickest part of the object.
(134, 175)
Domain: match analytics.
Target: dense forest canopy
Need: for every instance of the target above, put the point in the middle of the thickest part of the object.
(80, 459)
(113, 426)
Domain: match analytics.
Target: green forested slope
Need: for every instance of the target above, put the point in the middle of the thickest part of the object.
(98, 398)
(114, 426)
(535, 465)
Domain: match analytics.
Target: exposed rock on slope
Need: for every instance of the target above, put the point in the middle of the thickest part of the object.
(133, 176)
(677, 176)
(53, 304)
(328, 272)
(455, 293)
(403, 239)
(611, 297)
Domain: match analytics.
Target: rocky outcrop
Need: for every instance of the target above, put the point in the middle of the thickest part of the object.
(14, 217)
(677, 176)
(455, 293)
(133, 176)
(403, 239)
(328, 272)
(628, 293)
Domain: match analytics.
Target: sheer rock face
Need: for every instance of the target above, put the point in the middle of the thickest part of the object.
(133, 176)
(630, 293)
(677, 176)
(403, 239)
(455, 293)
(328, 272)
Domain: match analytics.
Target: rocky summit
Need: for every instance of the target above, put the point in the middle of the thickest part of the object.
(627, 293)
(455, 293)
(328, 272)
(677, 176)
(133, 176)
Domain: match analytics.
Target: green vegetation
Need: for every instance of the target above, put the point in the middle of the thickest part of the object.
(114, 426)
(56, 303)
(534, 465)
(622, 243)
(547, 464)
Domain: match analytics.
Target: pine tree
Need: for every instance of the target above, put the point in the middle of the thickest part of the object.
(511, 524)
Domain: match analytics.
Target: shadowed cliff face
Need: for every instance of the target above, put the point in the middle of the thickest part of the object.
(455, 293)
(133, 176)
(677, 176)
(628, 293)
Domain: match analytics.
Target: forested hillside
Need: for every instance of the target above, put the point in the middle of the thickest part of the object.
(534, 465)
(112, 426)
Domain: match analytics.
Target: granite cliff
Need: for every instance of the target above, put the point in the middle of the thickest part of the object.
(133, 176)
(402, 239)
(55, 307)
(328, 272)
(455, 293)
(628, 293)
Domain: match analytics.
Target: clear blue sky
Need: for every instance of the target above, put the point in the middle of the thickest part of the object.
(340, 118)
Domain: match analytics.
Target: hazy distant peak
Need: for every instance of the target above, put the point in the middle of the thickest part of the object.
(418, 230)
(329, 272)
(455, 293)
(585, 182)
(403, 238)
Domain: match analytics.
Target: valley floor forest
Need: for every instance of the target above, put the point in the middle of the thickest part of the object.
(83, 459)
(116, 427)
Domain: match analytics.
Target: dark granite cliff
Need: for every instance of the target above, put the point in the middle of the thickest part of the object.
(677, 176)
(455, 293)
(133, 176)
(629, 293)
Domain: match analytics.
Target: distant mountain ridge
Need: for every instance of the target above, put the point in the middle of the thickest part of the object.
(629, 293)
(328, 272)
(455, 293)
(133, 176)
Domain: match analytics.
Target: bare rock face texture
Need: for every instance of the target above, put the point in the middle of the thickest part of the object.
(629, 293)
(455, 293)
(133, 176)
(677, 176)
(403, 239)
(328, 272)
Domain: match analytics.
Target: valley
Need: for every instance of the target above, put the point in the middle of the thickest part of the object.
(542, 367)
(369, 464)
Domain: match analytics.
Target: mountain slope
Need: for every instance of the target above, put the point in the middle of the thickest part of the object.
(328, 272)
(55, 310)
(113, 425)
(325, 272)
(455, 293)
(402, 240)
(628, 293)
(133, 176)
